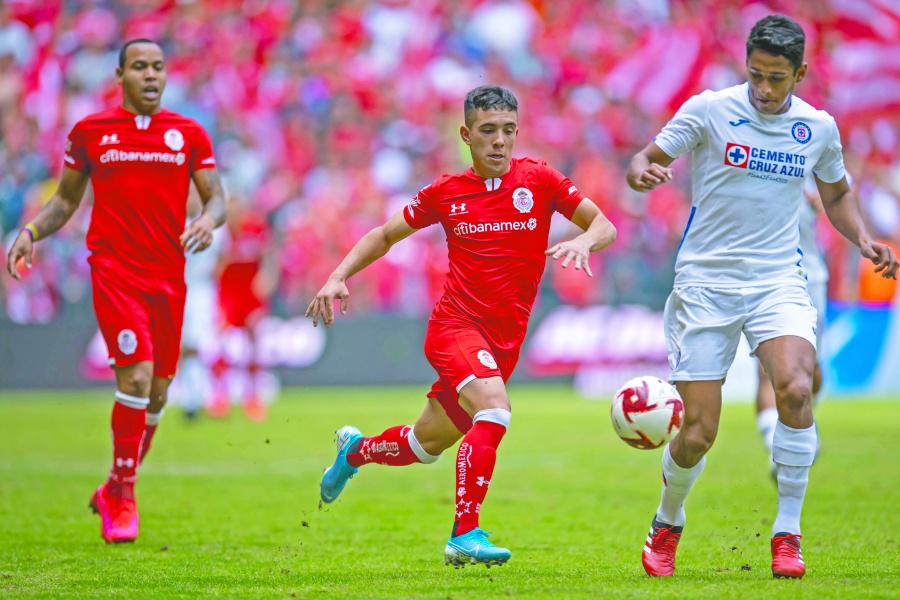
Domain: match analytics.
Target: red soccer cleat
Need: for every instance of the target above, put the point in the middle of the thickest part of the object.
(115, 504)
(219, 407)
(659, 551)
(787, 560)
(255, 409)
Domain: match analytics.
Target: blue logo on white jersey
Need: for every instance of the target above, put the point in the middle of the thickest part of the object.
(738, 123)
(801, 132)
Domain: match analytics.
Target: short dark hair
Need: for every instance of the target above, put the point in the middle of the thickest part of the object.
(488, 97)
(778, 35)
(131, 43)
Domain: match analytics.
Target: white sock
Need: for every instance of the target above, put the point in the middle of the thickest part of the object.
(793, 451)
(765, 422)
(153, 418)
(678, 482)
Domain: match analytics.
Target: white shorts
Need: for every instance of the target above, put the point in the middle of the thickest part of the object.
(818, 293)
(200, 316)
(704, 325)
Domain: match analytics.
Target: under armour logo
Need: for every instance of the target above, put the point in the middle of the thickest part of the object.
(109, 139)
(125, 462)
(483, 481)
(458, 210)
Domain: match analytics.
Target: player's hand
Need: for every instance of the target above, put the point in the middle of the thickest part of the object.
(574, 249)
(652, 176)
(23, 247)
(883, 257)
(198, 235)
(323, 303)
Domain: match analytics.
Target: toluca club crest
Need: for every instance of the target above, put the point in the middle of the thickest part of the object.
(523, 200)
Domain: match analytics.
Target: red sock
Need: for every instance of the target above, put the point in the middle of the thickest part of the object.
(128, 425)
(390, 448)
(147, 440)
(474, 466)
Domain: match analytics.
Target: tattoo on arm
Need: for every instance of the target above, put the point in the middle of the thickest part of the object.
(60, 208)
(209, 185)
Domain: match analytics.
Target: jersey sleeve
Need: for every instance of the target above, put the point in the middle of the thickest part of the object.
(422, 209)
(830, 166)
(76, 156)
(202, 156)
(565, 196)
(686, 129)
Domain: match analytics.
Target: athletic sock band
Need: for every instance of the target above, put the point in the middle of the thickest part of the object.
(131, 401)
(418, 450)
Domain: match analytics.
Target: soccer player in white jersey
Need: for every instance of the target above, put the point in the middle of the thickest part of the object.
(816, 271)
(739, 269)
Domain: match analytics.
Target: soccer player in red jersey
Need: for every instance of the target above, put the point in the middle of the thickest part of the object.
(496, 216)
(140, 159)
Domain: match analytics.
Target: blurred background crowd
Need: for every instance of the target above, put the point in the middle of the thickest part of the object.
(328, 115)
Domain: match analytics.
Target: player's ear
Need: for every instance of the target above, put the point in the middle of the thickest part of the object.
(465, 134)
(119, 72)
(801, 72)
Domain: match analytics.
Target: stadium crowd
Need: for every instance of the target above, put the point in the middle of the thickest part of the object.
(328, 115)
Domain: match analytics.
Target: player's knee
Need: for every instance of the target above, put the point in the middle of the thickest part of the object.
(697, 440)
(428, 451)
(794, 394)
(135, 382)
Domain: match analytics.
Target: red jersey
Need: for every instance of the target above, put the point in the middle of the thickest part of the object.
(140, 168)
(497, 231)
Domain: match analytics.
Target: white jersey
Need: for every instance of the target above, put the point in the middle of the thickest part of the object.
(813, 259)
(748, 170)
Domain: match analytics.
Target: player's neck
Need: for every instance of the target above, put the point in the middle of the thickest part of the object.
(485, 173)
(145, 111)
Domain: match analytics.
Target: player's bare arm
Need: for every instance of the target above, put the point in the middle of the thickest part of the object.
(842, 208)
(598, 234)
(199, 234)
(56, 213)
(649, 168)
(367, 250)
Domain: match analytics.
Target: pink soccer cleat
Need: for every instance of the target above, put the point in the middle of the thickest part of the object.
(115, 504)
(659, 551)
(787, 560)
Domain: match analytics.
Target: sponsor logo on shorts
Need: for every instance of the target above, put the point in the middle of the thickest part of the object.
(486, 359)
(127, 341)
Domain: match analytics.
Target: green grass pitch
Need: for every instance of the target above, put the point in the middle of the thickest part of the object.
(230, 508)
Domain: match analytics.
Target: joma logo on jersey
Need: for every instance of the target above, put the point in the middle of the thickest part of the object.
(111, 138)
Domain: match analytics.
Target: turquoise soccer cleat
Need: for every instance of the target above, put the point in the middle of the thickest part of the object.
(474, 548)
(337, 475)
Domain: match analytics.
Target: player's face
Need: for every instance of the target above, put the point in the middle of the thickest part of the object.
(490, 138)
(143, 78)
(772, 80)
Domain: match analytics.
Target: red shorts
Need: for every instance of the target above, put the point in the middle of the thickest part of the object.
(140, 317)
(459, 354)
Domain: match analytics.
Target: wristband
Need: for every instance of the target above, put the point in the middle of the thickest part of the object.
(32, 231)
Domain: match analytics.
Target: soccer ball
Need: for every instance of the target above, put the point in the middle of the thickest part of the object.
(647, 412)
